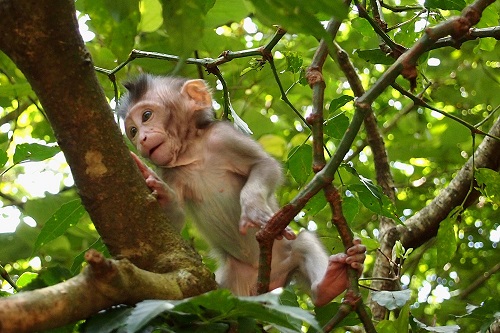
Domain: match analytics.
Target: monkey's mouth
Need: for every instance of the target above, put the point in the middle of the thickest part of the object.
(153, 150)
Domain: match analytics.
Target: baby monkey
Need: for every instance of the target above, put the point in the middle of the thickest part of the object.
(226, 181)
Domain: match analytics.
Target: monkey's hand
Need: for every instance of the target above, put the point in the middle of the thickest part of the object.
(253, 216)
(159, 189)
(336, 279)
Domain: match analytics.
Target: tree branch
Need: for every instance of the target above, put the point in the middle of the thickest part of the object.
(52, 56)
(103, 283)
(425, 223)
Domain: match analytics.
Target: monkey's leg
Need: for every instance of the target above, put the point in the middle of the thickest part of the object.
(237, 276)
(324, 276)
(335, 279)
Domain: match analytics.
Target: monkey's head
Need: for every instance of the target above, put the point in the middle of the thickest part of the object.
(162, 114)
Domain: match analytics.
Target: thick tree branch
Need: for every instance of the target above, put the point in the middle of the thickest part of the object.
(51, 54)
(103, 283)
(425, 223)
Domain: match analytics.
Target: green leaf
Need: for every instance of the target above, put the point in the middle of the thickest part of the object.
(403, 321)
(226, 11)
(372, 196)
(489, 182)
(375, 56)
(350, 207)
(293, 16)
(486, 313)
(117, 20)
(3, 158)
(294, 61)
(392, 299)
(373, 199)
(339, 102)
(254, 64)
(144, 312)
(446, 241)
(316, 204)
(362, 26)
(34, 152)
(151, 15)
(108, 321)
(25, 279)
(336, 126)
(15, 90)
(79, 259)
(371, 244)
(274, 144)
(224, 306)
(445, 4)
(184, 21)
(68, 215)
(324, 315)
(300, 163)
(267, 309)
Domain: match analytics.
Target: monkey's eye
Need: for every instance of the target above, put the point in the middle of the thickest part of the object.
(146, 115)
(133, 132)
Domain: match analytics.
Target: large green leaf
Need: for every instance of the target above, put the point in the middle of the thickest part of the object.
(184, 22)
(375, 56)
(65, 217)
(151, 15)
(223, 305)
(446, 241)
(20, 89)
(372, 197)
(34, 152)
(297, 18)
(336, 126)
(116, 20)
(300, 163)
(227, 11)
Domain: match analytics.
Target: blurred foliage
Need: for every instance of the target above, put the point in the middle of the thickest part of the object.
(425, 149)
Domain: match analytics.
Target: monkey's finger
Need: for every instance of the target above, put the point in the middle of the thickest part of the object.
(143, 168)
(358, 248)
(339, 258)
(358, 258)
(244, 225)
(288, 234)
(358, 267)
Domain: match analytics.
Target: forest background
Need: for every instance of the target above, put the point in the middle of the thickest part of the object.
(299, 77)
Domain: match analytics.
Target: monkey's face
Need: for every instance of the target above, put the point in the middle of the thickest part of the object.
(146, 126)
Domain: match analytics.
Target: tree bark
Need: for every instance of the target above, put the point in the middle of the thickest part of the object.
(424, 225)
(43, 40)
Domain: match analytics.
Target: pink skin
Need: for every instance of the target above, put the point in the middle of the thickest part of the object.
(336, 279)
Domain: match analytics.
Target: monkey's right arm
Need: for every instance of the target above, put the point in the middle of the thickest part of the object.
(163, 193)
(245, 157)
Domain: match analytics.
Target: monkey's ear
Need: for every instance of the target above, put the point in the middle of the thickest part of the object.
(198, 91)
